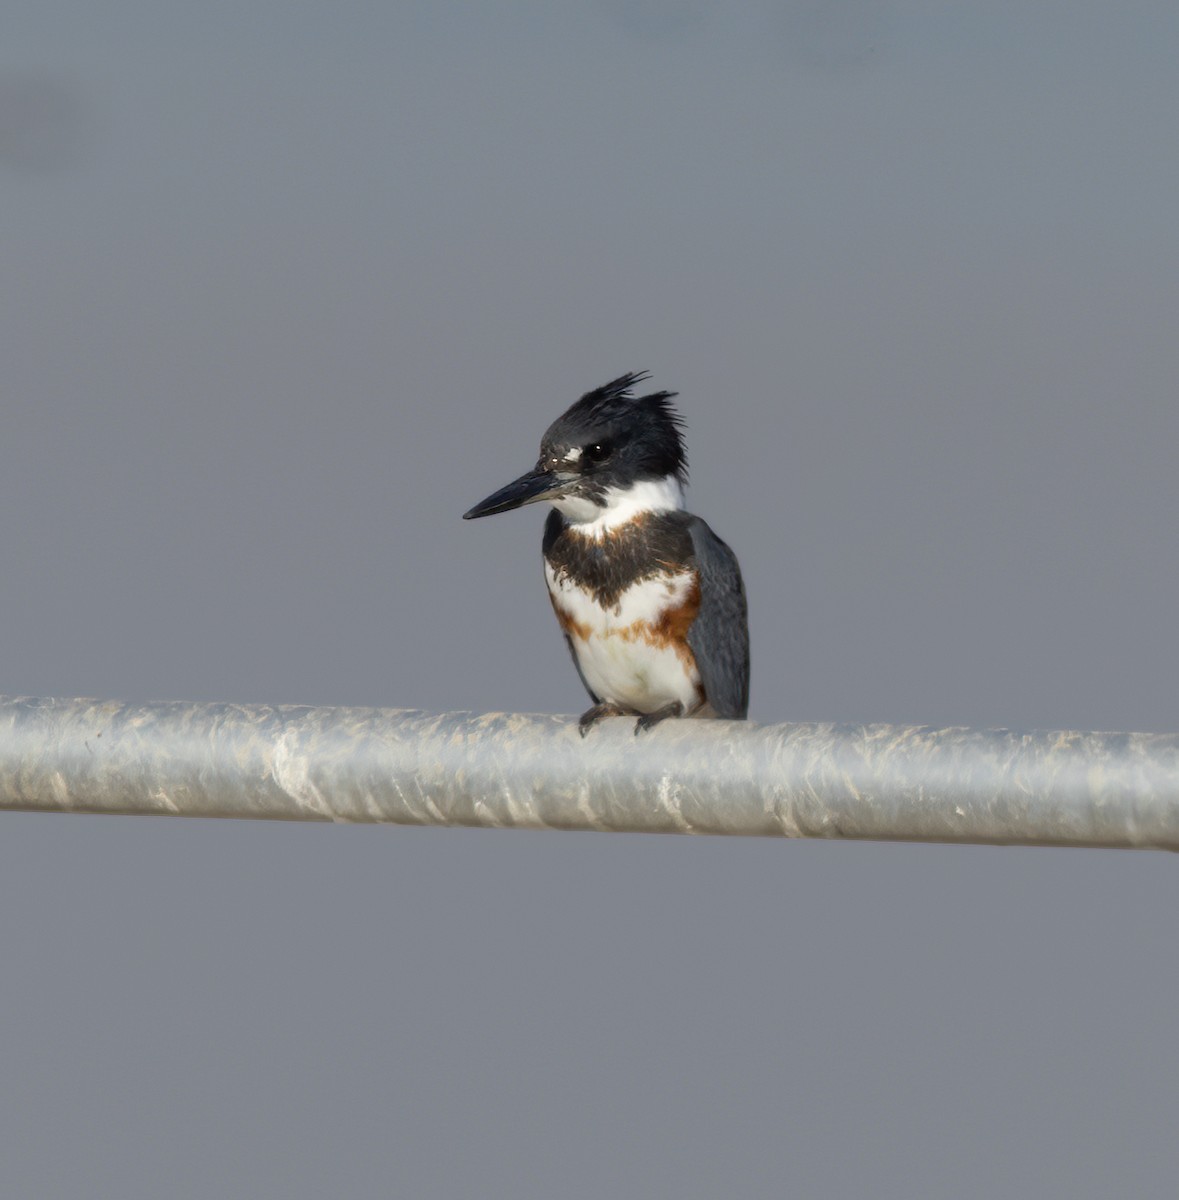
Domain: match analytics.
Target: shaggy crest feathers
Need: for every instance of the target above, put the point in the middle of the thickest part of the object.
(615, 406)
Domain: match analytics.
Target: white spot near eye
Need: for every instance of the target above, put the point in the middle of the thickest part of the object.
(571, 456)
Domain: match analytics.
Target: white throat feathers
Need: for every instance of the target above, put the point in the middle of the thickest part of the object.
(618, 506)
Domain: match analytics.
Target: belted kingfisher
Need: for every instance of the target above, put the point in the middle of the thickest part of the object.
(650, 600)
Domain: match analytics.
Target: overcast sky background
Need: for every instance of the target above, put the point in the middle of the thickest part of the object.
(288, 287)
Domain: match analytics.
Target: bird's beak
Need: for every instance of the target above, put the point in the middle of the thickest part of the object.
(528, 489)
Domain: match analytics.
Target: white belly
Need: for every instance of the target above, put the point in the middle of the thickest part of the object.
(617, 650)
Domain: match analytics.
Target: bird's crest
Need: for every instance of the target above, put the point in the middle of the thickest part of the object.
(615, 404)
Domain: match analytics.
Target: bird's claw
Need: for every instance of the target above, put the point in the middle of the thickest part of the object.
(651, 719)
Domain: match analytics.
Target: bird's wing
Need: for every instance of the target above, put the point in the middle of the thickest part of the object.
(719, 636)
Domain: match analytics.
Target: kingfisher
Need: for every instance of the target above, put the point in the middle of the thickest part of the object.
(650, 600)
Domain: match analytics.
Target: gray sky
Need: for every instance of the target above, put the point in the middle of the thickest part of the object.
(287, 287)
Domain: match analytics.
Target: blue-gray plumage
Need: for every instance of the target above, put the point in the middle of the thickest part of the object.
(650, 600)
(719, 636)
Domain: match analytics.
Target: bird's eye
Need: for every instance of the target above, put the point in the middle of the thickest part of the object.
(597, 452)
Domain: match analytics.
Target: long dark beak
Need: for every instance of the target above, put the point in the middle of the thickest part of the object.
(536, 485)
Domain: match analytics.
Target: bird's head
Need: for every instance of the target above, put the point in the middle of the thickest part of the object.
(611, 453)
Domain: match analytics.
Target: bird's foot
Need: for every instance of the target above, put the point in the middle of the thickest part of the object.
(599, 712)
(651, 719)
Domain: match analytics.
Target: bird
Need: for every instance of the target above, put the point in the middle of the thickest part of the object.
(650, 600)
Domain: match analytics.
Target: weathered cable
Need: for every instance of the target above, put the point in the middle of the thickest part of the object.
(406, 767)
